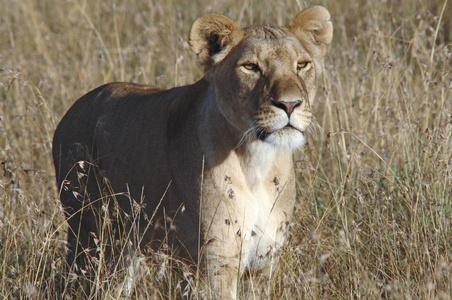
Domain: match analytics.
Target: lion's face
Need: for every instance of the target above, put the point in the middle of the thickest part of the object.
(265, 77)
(268, 84)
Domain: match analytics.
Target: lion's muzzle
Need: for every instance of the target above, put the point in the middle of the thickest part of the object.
(287, 106)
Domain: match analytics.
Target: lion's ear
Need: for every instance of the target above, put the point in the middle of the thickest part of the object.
(314, 25)
(212, 37)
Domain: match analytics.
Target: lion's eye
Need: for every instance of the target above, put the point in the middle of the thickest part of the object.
(303, 65)
(251, 67)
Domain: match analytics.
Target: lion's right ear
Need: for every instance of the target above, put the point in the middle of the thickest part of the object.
(212, 37)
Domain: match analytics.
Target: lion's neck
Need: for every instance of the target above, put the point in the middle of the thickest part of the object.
(256, 160)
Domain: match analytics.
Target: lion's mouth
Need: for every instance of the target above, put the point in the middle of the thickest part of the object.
(288, 137)
(263, 134)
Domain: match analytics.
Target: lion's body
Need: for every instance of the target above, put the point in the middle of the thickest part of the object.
(207, 168)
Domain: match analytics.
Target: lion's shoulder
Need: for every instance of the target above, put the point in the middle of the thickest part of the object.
(125, 89)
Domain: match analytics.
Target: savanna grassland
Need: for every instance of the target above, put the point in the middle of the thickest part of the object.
(374, 212)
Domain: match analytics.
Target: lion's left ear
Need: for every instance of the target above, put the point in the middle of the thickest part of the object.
(314, 25)
(212, 37)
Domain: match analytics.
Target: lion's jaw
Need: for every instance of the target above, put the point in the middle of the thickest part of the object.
(271, 95)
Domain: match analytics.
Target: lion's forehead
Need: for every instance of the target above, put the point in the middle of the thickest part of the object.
(266, 32)
(267, 42)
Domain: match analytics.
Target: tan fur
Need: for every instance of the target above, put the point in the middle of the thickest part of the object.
(205, 169)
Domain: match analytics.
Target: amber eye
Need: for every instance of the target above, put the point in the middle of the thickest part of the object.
(251, 67)
(303, 65)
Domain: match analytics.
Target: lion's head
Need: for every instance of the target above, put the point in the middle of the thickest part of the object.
(265, 77)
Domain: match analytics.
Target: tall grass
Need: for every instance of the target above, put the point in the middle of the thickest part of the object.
(374, 216)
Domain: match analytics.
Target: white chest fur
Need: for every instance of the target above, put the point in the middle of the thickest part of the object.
(266, 234)
(256, 163)
(261, 222)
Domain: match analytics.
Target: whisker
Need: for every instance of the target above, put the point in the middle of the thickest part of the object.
(314, 128)
(261, 133)
(247, 135)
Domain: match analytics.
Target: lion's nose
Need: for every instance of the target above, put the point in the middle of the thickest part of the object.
(287, 106)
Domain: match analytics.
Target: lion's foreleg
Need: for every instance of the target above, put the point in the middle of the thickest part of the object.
(222, 268)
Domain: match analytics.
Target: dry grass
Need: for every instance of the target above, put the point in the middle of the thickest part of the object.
(374, 218)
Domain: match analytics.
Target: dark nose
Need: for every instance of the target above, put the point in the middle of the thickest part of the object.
(288, 107)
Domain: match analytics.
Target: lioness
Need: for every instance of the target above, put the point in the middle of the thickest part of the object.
(207, 169)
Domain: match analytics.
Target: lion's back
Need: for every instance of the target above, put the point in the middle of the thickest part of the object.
(117, 127)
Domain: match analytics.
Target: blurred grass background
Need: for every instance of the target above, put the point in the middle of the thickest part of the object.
(374, 214)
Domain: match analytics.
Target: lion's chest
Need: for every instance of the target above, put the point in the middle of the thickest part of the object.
(248, 205)
(266, 227)
(259, 221)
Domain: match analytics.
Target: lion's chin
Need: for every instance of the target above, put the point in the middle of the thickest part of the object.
(287, 139)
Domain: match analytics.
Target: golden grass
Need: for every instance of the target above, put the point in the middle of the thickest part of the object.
(374, 217)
